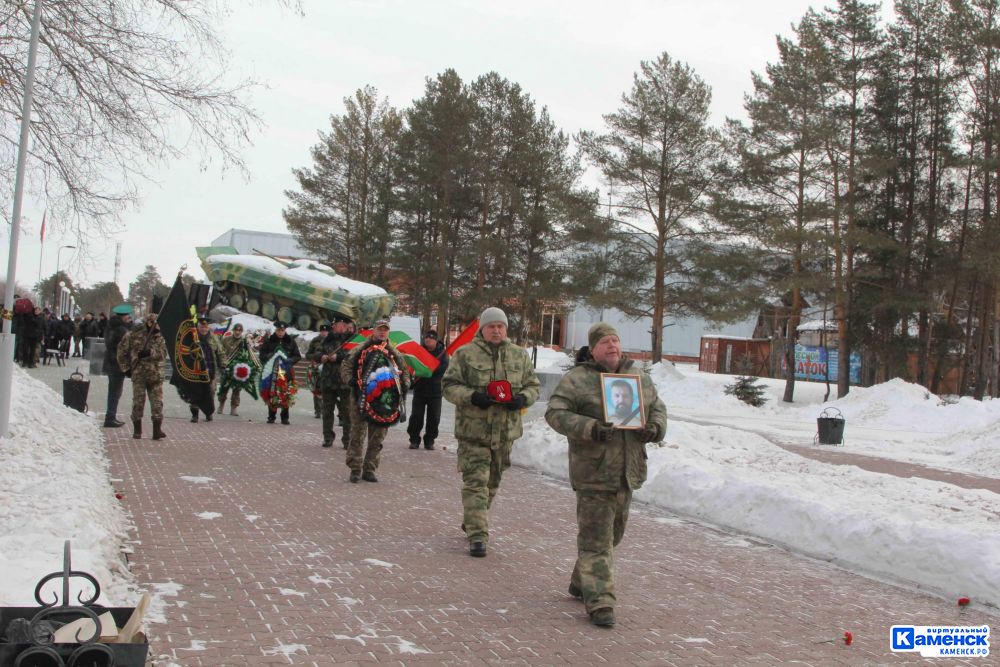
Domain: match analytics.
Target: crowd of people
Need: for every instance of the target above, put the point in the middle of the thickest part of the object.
(362, 386)
(40, 332)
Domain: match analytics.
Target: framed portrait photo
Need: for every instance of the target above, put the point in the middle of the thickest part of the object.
(622, 399)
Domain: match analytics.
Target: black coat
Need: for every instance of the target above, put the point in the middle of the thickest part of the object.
(112, 337)
(431, 387)
(32, 327)
(271, 345)
(89, 329)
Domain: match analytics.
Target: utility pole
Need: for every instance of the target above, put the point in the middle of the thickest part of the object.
(6, 338)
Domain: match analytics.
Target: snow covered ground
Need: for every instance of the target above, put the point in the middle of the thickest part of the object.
(716, 465)
(55, 486)
(719, 463)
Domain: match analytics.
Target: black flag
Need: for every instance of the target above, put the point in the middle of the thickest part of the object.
(191, 373)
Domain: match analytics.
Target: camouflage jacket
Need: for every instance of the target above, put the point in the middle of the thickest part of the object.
(472, 367)
(577, 404)
(137, 340)
(349, 367)
(329, 374)
(230, 344)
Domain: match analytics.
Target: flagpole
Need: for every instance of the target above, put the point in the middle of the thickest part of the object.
(6, 338)
(41, 251)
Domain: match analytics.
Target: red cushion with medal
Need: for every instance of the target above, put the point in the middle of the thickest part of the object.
(500, 391)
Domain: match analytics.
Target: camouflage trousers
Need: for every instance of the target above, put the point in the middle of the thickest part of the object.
(481, 468)
(235, 403)
(339, 400)
(600, 517)
(358, 458)
(141, 386)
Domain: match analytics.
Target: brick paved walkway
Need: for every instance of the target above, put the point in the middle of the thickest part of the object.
(279, 560)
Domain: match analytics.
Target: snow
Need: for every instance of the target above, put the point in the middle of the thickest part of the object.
(55, 486)
(552, 360)
(307, 271)
(721, 463)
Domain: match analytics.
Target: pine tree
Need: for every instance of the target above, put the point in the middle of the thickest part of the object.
(747, 389)
(659, 151)
(344, 210)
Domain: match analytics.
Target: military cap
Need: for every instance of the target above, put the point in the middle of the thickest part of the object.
(342, 318)
(431, 333)
(382, 323)
(599, 331)
(278, 324)
(324, 327)
(122, 309)
(203, 320)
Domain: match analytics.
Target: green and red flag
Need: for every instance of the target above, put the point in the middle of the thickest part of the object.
(421, 362)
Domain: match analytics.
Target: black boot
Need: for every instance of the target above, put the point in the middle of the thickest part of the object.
(271, 417)
(194, 415)
(284, 416)
(369, 476)
(137, 428)
(477, 549)
(414, 445)
(158, 433)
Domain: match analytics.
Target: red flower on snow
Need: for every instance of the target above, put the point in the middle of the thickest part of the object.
(119, 495)
(848, 638)
(963, 602)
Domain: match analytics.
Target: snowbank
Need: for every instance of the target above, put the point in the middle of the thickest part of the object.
(54, 486)
(931, 534)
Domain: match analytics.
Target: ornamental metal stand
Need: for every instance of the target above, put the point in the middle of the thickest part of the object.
(26, 633)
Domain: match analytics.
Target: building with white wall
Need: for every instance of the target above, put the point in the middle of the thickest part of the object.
(273, 243)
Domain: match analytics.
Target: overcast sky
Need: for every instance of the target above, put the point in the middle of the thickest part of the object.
(574, 57)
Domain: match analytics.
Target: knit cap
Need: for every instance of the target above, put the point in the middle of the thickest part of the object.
(491, 315)
(599, 331)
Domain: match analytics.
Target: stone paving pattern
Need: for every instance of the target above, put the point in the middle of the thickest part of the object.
(301, 567)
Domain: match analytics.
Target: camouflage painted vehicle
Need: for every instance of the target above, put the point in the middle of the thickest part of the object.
(302, 293)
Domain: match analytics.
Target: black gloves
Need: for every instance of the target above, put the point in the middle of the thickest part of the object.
(516, 403)
(481, 399)
(143, 354)
(601, 431)
(649, 433)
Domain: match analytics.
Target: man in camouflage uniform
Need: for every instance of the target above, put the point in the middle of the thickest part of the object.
(363, 463)
(335, 393)
(229, 345)
(487, 423)
(143, 353)
(606, 464)
(314, 346)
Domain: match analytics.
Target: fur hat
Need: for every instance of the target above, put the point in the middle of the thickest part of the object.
(491, 315)
(599, 331)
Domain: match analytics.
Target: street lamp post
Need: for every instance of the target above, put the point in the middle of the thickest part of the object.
(58, 254)
(6, 339)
